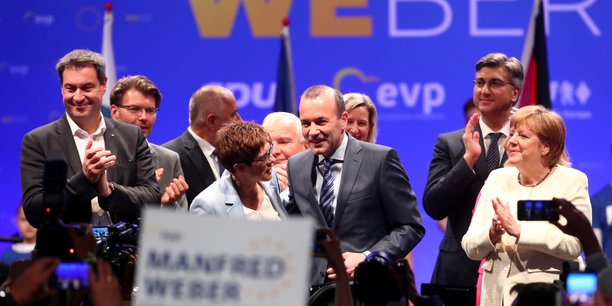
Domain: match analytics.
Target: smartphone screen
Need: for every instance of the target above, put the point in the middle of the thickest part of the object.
(537, 210)
(72, 275)
(580, 289)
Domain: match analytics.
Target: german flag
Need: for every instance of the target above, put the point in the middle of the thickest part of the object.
(536, 89)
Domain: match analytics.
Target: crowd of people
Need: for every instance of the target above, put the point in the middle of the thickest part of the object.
(323, 165)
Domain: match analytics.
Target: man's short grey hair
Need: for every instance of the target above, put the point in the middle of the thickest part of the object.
(82, 58)
(285, 118)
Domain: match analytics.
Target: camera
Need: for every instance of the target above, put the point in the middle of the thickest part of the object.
(537, 210)
(117, 244)
(374, 279)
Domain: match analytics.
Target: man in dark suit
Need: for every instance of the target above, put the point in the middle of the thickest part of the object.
(463, 160)
(210, 108)
(110, 171)
(135, 100)
(364, 196)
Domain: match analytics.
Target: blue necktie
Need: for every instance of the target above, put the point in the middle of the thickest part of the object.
(326, 198)
(493, 153)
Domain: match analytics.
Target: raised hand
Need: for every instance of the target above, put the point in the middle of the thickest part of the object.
(471, 141)
(505, 219)
(281, 173)
(174, 191)
(158, 173)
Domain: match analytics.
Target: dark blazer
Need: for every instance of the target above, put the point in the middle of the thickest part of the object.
(451, 191)
(376, 208)
(198, 173)
(133, 175)
(170, 161)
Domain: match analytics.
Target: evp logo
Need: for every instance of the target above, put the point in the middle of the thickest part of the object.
(394, 100)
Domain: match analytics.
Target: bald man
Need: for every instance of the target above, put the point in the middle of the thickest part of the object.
(210, 108)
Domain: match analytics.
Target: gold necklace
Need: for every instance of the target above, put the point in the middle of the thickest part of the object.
(518, 178)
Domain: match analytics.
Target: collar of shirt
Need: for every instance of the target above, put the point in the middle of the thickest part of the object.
(204, 145)
(78, 132)
(486, 130)
(207, 150)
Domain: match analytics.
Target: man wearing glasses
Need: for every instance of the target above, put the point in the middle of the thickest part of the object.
(135, 100)
(110, 173)
(463, 160)
(249, 189)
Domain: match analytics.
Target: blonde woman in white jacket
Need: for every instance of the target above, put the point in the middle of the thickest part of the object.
(537, 169)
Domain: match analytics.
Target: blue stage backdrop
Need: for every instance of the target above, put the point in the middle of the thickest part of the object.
(415, 58)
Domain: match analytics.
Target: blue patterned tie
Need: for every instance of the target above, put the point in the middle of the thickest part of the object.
(493, 153)
(326, 199)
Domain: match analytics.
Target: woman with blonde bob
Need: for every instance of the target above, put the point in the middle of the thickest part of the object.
(361, 123)
(538, 168)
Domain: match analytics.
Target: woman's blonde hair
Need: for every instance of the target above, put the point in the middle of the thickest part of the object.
(550, 129)
(355, 100)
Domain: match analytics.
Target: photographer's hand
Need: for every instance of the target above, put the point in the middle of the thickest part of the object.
(331, 251)
(577, 225)
(29, 286)
(104, 286)
(126, 281)
(404, 275)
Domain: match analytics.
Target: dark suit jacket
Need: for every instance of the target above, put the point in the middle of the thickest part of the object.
(451, 191)
(376, 208)
(170, 161)
(198, 173)
(133, 174)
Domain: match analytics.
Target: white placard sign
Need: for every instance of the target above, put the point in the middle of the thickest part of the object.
(194, 260)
